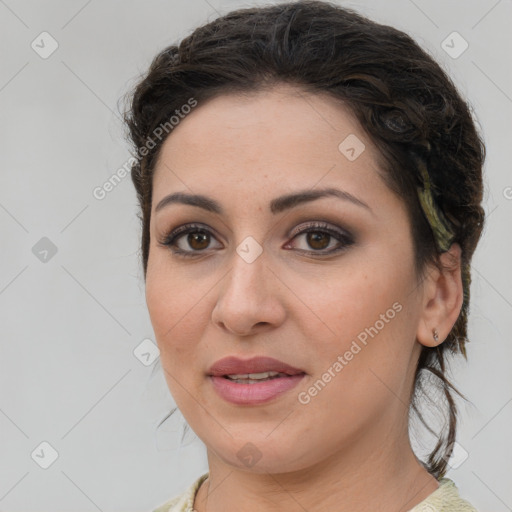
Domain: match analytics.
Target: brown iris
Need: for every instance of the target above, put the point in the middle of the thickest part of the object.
(315, 239)
(201, 238)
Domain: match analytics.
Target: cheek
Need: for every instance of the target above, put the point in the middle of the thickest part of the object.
(348, 302)
(174, 306)
(174, 309)
(366, 317)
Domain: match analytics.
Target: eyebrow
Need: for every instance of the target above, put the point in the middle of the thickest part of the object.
(277, 205)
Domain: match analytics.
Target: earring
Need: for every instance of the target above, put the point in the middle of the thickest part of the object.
(435, 335)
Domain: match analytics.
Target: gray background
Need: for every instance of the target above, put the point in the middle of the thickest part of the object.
(70, 321)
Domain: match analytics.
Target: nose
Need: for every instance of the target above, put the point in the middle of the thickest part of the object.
(250, 298)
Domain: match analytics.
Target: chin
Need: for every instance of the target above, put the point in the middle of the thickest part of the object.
(260, 455)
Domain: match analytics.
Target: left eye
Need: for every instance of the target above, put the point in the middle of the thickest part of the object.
(318, 237)
(318, 240)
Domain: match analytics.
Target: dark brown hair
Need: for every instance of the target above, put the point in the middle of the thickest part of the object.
(402, 98)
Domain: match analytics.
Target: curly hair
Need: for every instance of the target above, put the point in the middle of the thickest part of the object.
(402, 98)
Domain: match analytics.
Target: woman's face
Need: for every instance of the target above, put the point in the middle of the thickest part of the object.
(326, 286)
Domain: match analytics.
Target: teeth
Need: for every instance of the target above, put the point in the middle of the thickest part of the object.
(254, 376)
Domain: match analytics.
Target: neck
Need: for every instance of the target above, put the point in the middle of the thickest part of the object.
(384, 476)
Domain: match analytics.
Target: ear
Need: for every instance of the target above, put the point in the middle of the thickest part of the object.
(442, 298)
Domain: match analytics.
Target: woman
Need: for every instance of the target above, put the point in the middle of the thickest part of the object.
(310, 187)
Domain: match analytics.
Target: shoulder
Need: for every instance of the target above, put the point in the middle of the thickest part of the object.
(185, 501)
(445, 498)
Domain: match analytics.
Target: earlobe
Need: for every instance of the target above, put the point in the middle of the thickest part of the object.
(443, 296)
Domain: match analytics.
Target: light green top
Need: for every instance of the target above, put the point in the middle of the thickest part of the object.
(444, 499)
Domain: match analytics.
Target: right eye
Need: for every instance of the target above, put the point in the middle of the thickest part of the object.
(198, 239)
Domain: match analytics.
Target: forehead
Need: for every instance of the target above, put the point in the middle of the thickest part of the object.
(276, 140)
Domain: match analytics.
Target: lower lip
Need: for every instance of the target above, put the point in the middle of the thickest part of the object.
(253, 394)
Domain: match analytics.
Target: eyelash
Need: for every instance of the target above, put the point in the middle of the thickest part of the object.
(345, 239)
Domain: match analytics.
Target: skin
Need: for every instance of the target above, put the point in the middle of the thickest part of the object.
(348, 448)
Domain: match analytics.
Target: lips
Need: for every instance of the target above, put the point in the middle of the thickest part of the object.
(235, 366)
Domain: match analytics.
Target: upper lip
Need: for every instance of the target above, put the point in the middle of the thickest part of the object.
(233, 365)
